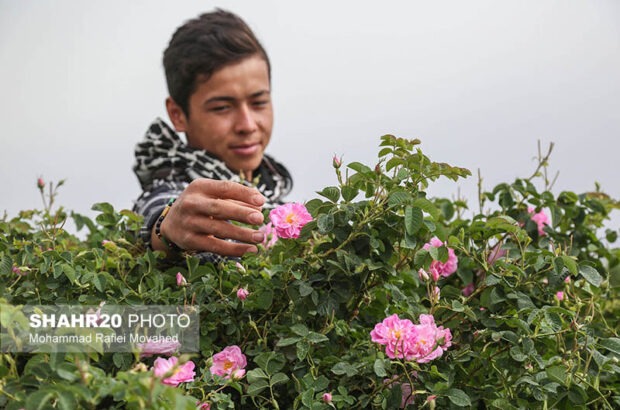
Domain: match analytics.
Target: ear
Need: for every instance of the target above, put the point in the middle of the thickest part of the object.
(176, 115)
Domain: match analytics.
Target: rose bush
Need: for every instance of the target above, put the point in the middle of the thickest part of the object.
(473, 320)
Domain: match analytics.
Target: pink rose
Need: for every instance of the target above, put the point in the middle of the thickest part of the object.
(496, 253)
(404, 340)
(336, 161)
(288, 219)
(423, 275)
(395, 334)
(468, 290)
(436, 294)
(40, 183)
(16, 270)
(559, 295)
(181, 280)
(567, 279)
(540, 218)
(203, 406)
(228, 363)
(242, 294)
(327, 397)
(439, 268)
(407, 396)
(156, 347)
(270, 235)
(180, 374)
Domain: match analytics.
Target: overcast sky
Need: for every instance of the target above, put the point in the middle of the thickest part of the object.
(479, 82)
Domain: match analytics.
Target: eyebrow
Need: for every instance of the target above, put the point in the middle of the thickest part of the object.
(225, 98)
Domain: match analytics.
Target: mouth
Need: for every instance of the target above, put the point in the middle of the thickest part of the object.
(246, 149)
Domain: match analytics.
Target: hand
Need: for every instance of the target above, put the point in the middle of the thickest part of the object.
(199, 218)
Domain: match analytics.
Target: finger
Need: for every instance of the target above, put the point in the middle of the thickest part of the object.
(212, 244)
(220, 209)
(226, 230)
(229, 190)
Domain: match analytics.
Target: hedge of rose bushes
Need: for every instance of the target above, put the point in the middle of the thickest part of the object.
(373, 295)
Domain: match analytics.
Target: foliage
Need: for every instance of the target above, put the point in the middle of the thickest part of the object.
(305, 325)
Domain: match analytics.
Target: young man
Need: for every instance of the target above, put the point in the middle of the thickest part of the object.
(218, 77)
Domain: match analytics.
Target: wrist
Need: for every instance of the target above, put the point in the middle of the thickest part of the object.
(159, 238)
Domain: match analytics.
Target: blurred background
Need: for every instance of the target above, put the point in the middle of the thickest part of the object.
(480, 82)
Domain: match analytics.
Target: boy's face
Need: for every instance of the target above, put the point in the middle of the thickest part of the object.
(230, 114)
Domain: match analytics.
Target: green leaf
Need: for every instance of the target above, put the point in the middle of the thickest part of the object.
(287, 341)
(359, 167)
(398, 198)
(279, 378)
(344, 368)
(303, 347)
(427, 206)
(349, 193)
(458, 397)
(325, 223)
(591, 275)
(612, 344)
(66, 401)
(315, 337)
(557, 374)
(413, 219)
(257, 387)
(331, 192)
(264, 299)
(300, 329)
(307, 398)
(379, 368)
(305, 289)
(517, 354)
(256, 374)
(40, 400)
(69, 272)
(570, 264)
(6, 265)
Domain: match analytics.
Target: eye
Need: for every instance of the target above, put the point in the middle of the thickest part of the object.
(260, 103)
(219, 108)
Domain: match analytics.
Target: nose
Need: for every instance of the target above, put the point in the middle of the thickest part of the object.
(245, 123)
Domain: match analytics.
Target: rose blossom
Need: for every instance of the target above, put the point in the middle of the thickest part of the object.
(540, 218)
(327, 397)
(181, 280)
(395, 334)
(288, 219)
(439, 268)
(40, 183)
(149, 348)
(403, 339)
(242, 294)
(559, 295)
(228, 363)
(468, 290)
(423, 275)
(496, 253)
(270, 236)
(407, 397)
(203, 406)
(181, 374)
(336, 161)
(16, 270)
(436, 294)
